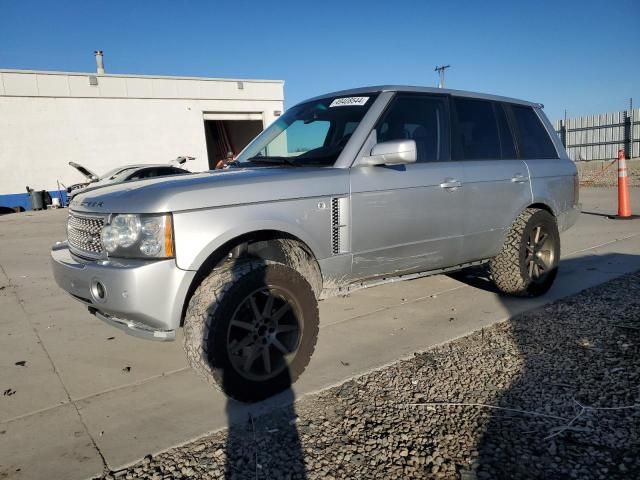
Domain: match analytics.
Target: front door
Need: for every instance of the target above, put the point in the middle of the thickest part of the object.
(408, 218)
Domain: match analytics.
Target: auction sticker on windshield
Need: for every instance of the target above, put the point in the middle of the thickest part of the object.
(348, 101)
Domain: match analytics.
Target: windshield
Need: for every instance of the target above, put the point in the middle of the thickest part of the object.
(312, 133)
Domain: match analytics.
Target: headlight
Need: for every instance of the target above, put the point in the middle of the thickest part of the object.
(141, 236)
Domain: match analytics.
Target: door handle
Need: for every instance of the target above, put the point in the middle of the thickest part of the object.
(519, 178)
(451, 184)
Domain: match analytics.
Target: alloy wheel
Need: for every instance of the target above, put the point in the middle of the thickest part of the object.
(540, 253)
(264, 333)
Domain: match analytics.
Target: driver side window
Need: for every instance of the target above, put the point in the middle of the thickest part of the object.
(424, 119)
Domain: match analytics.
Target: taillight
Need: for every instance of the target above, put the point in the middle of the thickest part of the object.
(576, 190)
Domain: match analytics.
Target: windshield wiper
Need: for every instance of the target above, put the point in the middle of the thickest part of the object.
(273, 160)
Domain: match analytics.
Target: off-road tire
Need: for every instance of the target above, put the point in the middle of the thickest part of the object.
(209, 314)
(509, 270)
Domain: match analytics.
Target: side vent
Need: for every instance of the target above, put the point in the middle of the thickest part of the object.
(339, 225)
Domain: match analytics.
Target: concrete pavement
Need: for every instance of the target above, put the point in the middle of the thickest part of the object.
(75, 408)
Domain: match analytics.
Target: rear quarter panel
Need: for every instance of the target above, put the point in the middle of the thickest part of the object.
(552, 180)
(552, 183)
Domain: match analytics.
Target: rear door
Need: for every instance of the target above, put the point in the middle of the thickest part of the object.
(407, 218)
(552, 179)
(496, 181)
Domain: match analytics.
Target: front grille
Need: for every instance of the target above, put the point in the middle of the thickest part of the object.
(83, 234)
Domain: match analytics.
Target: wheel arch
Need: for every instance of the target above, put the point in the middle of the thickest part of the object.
(542, 206)
(267, 244)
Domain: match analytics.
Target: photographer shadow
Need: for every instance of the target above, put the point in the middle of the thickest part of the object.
(262, 439)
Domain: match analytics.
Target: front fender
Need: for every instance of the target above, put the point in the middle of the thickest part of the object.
(199, 233)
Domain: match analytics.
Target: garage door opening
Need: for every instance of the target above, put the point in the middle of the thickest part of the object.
(228, 137)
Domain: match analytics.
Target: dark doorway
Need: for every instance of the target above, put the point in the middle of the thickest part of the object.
(224, 136)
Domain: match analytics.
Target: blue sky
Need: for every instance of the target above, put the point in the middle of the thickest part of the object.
(579, 55)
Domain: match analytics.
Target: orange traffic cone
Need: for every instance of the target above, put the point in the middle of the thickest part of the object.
(624, 207)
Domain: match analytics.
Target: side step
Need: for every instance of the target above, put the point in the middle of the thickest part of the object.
(352, 287)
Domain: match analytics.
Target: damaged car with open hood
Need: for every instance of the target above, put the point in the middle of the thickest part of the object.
(125, 173)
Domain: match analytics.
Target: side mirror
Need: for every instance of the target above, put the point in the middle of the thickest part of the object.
(394, 152)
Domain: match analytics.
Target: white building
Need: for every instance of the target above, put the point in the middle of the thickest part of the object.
(104, 121)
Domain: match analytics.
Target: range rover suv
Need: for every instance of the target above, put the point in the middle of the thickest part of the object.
(343, 190)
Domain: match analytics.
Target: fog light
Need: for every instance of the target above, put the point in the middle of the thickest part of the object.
(98, 291)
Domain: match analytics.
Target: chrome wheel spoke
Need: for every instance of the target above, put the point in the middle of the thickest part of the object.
(236, 345)
(254, 308)
(276, 343)
(281, 311)
(536, 271)
(531, 265)
(285, 328)
(268, 306)
(542, 239)
(537, 237)
(243, 325)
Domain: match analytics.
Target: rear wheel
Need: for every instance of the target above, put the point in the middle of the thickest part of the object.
(528, 262)
(251, 328)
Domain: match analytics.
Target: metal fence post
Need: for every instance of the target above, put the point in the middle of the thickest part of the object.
(632, 138)
(627, 142)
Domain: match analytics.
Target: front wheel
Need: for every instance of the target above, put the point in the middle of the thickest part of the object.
(251, 328)
(527, 265)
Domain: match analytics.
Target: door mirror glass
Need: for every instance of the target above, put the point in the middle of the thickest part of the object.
(393, 152)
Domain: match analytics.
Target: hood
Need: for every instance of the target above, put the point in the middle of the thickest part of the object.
(91, 176)
(217, 188)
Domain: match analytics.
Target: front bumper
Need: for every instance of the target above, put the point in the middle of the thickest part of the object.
(143, 298)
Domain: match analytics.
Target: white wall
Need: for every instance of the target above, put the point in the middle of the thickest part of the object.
(139, 120)
(39, 136)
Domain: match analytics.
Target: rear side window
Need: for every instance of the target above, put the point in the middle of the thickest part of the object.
(420, 118)
(533, 139)
(476, 131)
(507, 142)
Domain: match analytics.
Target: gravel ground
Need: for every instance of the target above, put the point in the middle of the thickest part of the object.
(550, 394)
(607, 176)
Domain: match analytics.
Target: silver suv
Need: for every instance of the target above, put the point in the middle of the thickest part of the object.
(343, 190)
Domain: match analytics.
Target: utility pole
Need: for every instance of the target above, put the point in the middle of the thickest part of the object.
(440, 71)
